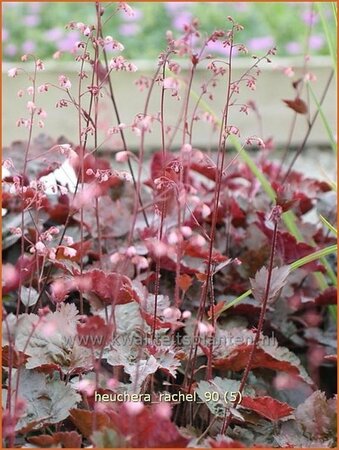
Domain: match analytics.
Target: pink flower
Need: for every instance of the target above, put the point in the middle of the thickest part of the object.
(140, 262)
(186, 231)
(64, 82)
(59, 290)
(186, 315)
(28, 47)
(39, 65)
(120, 63)
(163, 410)
(171, 313)
(10, 49)
(40, 247)
(205, 329)
(43, 88)
(53, 34)
(31, 107)
(288, 71)
(172, 84)
(309, 17)
(112, 44)
(126, 8)
(86, 386)
(31, 21)
(134, 408)
(181, 20)
(199, 240)
(70, 252)
(316, 42)
(254, 140)
(87, 31)
(12, 73)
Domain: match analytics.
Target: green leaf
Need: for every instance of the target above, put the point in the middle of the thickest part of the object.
(213, 394)
(47, 401)
(108, 438)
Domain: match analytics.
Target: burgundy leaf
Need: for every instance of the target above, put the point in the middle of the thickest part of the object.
(327, 297)
(298, 105)
(277, 282)
(267, 407)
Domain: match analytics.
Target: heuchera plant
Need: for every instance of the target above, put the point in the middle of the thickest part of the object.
(127, 282)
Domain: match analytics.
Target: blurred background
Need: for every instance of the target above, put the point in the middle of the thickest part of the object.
(298, 30)
(32, 27)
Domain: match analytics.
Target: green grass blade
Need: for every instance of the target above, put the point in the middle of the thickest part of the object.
(324, 120)
(328, 225)
(331, 41)
(314, 256)
(295, 265)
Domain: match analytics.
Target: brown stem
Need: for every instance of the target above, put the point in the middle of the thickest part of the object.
(245, 375)
(310, 127)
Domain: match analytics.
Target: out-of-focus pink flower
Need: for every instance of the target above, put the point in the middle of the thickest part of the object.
(129, 29)
(49, 328)
(54, 34)
(288, 71)
(186, 314)
(86, 386)
(293, 48)
(182, 19)
(174, 7)
(67, 44)
(316, 42)
(310, 17)
(59, 290)
(31, 20)
(122, 156)
(28, 47)
(134, 408)
(260, 43)
(163, 410)
(10, 50)
(205, 329)
(284, 381)
(10, 275)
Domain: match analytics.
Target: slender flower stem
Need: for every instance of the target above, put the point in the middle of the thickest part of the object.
(310, 127)
(220, 167)
(245, 375)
